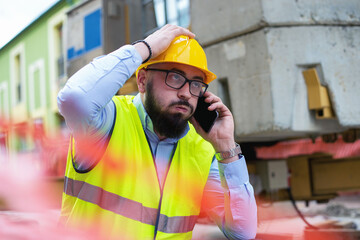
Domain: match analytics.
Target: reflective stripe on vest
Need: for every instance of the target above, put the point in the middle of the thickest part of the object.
(126, 207)
(121, 193)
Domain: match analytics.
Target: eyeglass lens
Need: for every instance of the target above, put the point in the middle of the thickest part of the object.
(177, 81)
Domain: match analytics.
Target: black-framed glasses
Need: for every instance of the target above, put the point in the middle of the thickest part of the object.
(176, 80)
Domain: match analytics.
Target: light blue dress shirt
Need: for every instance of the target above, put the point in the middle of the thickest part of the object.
(85, 102)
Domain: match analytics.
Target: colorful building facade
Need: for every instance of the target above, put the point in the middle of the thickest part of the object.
(37, 62)
(32, 70)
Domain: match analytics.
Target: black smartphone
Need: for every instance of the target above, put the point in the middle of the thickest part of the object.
(203, 116)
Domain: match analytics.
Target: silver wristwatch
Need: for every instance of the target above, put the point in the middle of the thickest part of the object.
(228, 154)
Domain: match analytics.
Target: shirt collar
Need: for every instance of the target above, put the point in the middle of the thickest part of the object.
(146, 121)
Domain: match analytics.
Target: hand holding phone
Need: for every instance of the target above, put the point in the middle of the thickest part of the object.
(203, 116)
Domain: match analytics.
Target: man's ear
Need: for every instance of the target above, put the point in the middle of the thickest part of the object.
(141, 80)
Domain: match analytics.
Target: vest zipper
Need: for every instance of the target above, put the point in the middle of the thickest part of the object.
(158, 215)
(163, 185)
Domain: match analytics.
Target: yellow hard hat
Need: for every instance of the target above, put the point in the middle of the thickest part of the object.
(186, 51)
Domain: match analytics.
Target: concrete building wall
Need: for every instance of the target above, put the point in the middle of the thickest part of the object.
(123, 23)
(217, 20)
(247, 69)
(262, 47)
(315, 12)
(334, 50)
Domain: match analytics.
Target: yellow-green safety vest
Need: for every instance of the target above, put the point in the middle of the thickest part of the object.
(121, 195)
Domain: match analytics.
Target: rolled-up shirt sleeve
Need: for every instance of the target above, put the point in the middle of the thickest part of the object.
(229, 199)
(85, 101)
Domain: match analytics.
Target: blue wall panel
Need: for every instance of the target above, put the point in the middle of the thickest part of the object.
(92, 35)
(92, 30)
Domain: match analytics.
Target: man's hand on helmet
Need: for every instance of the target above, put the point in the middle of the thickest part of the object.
(160, 40)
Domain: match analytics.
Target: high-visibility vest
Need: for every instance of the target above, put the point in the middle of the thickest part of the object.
(122, 195)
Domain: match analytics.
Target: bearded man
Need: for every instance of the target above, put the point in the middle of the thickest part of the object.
(141, 167)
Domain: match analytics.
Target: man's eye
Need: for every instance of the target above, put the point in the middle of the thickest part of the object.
(176, 77)
(197, 85)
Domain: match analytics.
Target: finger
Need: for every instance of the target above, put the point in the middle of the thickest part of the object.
(160, 40)
(213, 99)
(218, 106)
(172, 31)
(177, 31)
(209, 97)
(183, 31)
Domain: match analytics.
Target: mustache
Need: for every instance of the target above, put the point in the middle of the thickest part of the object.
(182, 102)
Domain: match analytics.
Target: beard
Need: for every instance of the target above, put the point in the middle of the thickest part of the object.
(169, 125)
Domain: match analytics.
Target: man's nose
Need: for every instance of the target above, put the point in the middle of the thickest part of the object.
(184, 92)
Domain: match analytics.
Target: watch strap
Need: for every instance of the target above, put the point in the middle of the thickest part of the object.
(220, 156)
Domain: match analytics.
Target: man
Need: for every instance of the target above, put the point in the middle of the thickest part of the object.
(136, 168)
